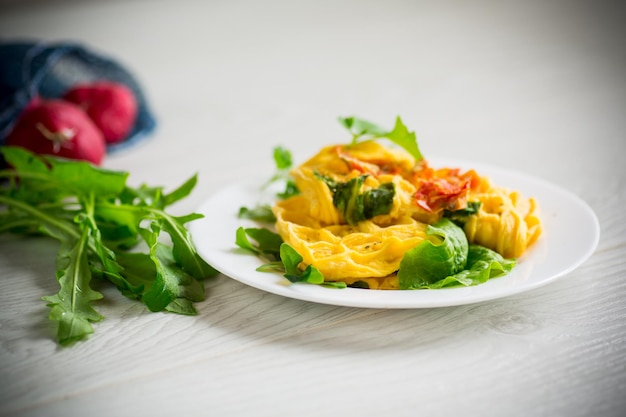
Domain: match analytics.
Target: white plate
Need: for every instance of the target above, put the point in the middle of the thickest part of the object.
(570, 235)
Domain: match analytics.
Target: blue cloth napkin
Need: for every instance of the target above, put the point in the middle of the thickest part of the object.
(28, 69)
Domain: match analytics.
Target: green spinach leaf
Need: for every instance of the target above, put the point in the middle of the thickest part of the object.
(459, 217)
(443, 253)
(356, 206)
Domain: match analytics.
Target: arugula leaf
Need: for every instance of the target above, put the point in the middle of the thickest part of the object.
(63, 176)
(24, 213)
(267, 242)
(291, 189)
(78, 177)
(118, 225)
(171, 281)
(164, 289)
(401, 135)
(283, 162)
(260, 213)
(181, 192)
(183, 248)
(241, 240)
(96, 218)
(291, 259)
(143, 196)
(105, 263)
(284, 258)
(360, 127)
(362, 130)
(459, 217)
(356, 206)
(282, 158)
(71, 306)
(138, 268)
(182, 306)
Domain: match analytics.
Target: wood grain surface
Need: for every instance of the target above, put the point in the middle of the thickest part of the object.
(536, 87)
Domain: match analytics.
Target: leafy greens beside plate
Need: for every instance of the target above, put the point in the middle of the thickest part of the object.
(100, 222)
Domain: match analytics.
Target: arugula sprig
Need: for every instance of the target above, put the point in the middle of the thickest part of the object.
(98, 219)
(263, 212)
(363, 130)
(280, 256)
(283, 162)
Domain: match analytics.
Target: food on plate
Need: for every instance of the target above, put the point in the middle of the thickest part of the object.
(374, 213)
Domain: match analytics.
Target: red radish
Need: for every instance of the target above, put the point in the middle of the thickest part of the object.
(112, 106)
(59, 128)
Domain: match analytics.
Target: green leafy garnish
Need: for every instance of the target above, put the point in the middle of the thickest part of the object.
(261, 213)
(282, 159)
(291, 259)
(443, 253)
(356, 206)
(446, 259)
(360, 127)
(482, 265)
(71, 306)
(459, 217)
(267, 242)
(363, 130)
(283, 162)
(282, 257)
(97, 219)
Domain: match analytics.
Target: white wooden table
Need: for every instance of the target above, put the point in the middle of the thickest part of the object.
(536, 86)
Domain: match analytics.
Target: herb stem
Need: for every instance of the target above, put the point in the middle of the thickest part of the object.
(40, 215)
(78, 273)
(24, 175)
